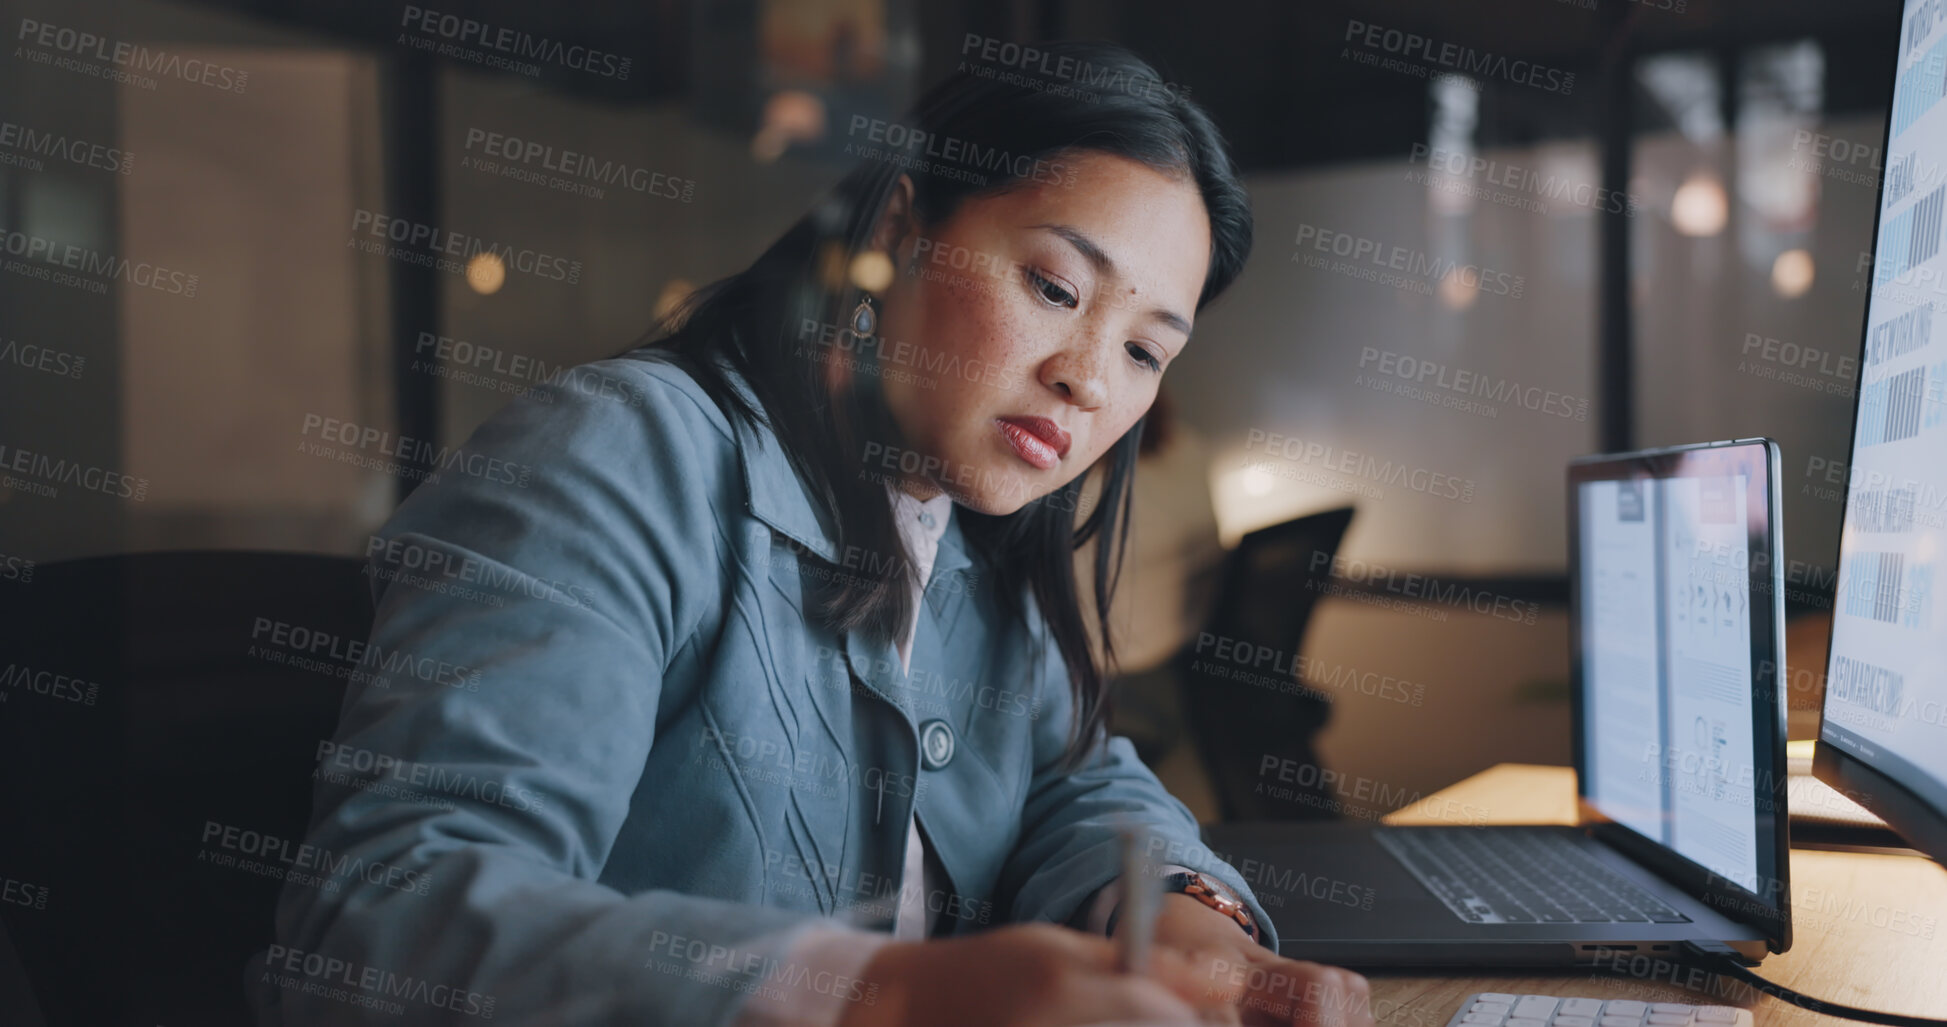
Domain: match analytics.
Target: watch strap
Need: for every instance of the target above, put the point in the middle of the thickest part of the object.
(1209, 891)
(1215, 894)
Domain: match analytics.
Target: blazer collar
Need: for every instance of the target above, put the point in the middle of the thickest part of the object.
(778, 497)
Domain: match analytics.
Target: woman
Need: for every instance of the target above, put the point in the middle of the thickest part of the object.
(772, 696)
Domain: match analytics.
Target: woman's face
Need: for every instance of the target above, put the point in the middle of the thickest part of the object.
(1025, 334)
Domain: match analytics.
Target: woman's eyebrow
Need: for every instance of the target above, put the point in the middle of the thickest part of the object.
(1105, 267)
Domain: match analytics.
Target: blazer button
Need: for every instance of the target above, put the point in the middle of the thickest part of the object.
(935, 744)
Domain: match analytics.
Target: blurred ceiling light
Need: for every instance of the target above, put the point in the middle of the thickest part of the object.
(871, 271)
(486, 272)
(1248, 493)
(1456, 294)
(674, 293)
(1256, 481)
(1792, 273)
(1699, 208)
(790, 116)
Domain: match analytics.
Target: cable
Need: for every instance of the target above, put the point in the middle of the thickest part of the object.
(1721, 958)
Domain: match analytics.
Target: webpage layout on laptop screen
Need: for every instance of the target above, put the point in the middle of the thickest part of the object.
(1666, 664)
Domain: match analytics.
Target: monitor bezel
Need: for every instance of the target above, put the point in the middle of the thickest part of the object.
(1770, 914)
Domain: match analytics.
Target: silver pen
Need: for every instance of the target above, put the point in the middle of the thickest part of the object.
(1141, 894)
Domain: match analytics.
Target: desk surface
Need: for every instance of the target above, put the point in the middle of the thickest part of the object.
(1868, 931)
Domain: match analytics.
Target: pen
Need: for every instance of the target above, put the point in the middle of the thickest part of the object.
(1140, 891)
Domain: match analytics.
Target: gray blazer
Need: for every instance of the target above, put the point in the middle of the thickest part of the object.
(596, 745)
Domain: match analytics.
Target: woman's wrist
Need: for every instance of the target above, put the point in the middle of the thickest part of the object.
(1184, 922)
(888, 978)
(1252, 934)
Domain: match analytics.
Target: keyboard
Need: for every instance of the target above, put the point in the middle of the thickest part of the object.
(1513, 875)
(1494, 1009)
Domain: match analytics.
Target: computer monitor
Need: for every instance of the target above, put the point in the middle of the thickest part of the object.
(1883, 739)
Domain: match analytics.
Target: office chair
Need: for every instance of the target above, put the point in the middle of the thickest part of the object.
(1246, 709)
(150, 703)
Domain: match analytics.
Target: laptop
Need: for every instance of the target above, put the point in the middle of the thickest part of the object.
(1677, 643)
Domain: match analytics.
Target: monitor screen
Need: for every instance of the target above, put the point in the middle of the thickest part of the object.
(1886, 680)
(1675, 607)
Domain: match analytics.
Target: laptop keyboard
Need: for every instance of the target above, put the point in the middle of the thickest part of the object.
(1496, 1009)
(1507, 875)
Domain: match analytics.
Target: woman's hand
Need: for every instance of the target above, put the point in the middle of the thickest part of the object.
(1027, 974)
(1208, 958)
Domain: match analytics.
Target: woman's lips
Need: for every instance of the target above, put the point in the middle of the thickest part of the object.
(1037, 440)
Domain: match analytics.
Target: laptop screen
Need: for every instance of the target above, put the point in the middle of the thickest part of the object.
(1672, 572)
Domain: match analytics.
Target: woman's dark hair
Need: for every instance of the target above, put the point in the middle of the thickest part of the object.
(1158, 424)
(1011, 128)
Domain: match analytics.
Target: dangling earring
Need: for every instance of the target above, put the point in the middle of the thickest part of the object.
(865, 320)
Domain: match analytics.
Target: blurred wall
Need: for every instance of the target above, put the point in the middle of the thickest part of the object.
(1371, 377)
(1412, 335)
(286, 322)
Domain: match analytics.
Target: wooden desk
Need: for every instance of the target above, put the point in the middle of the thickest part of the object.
(1868, 931)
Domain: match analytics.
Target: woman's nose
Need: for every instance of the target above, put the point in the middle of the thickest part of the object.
(1079, 378)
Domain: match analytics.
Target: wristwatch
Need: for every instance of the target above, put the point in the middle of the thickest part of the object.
(1211, 892)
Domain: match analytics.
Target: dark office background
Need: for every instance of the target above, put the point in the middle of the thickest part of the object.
(1677, 237)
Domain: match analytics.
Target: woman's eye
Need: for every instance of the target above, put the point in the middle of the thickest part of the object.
(1051, 292)
(1144, 356)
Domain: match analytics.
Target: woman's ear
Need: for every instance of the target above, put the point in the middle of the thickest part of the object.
(896, 219)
